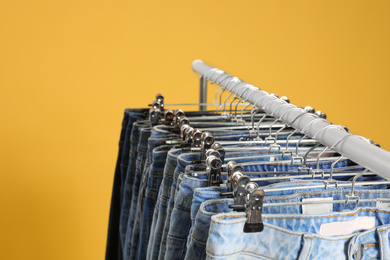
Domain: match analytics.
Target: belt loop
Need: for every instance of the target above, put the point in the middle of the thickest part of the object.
(307, 247)
(383, 235)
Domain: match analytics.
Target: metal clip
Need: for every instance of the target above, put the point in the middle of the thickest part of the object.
(177, 115)
(160, 100)
(219, 148)
(214, 174)
(182, 121)
(240, 181)
(168, 117)
(254, 208)
(196, 138)
(231, 168)
(213, 152)
(154, 115)
(183, 131)
(189, 135)
(207, 141)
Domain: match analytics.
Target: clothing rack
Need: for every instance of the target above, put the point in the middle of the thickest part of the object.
(354, 147)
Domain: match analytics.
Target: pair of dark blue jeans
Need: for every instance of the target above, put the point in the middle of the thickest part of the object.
(113, 246)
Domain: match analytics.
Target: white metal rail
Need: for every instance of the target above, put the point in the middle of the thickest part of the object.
(354, 147)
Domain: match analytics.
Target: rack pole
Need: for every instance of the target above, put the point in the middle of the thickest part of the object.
(354, 147)
(202, 93)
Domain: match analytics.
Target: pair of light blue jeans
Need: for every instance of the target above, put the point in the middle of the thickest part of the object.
(212, 204)
(297, 236)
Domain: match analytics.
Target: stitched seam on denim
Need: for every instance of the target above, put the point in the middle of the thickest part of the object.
(381, 243)
(176, 238)
(287, 232)
(324, 217)
(181, 208)
(284, 231)
(300, 193)
(311, 248)
(207, 203)
(151, 194)
(384, 229)
(197, 241)
(367, 246)
(309, 217)
(241, 251)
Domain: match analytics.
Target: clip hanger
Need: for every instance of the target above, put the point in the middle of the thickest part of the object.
(214, 170)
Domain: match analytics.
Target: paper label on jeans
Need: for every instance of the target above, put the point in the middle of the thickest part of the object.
(347, 227)
(317, 208)
(383, 204)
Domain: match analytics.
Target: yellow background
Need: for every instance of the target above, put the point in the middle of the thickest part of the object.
(69, 68)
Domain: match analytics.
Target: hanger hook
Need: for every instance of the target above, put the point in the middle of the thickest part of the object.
(242, 110)
(332, 167)
(231, 93)
(265, 114)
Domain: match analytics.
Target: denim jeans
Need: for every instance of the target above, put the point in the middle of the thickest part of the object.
(200, 229)
(156, 139)
(151, 171)
(128, 185)
(153, 186)
(174, 238)
(296, 236)
(159, 214)
(141, 158)
(113, 247)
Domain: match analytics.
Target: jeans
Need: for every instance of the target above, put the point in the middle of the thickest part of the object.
(141, 157)
(159, 214)
(153, 186)
(156, 139)
(178, 208)
(128, 185)
(200, 229)
(292, 236)
(113, 247)
(178, 170)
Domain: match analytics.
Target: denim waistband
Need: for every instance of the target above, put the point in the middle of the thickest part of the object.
(171, 163)
(153, 142)
(143, 140)
(160, 131)
(305, 236)
(139, 110)
(160, 155)
(135, 131)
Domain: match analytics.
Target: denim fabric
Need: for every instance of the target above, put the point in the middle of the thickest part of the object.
(203, 194)
(113, 247)
(156, 139)
(178, 170)
(141, 157)
(291, 236)
(159, 214)
(198, 237)
(153, 186)
(176, 242)
(128, 186)
(179, 224)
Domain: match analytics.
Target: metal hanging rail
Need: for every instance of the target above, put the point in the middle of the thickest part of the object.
(354, 147)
